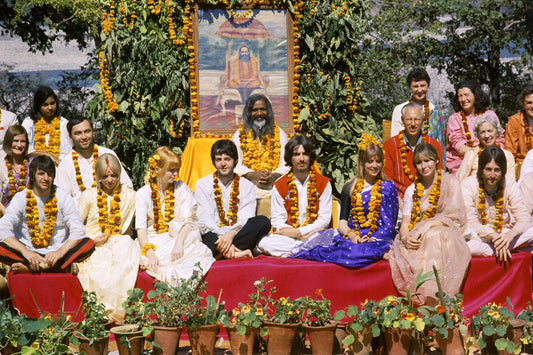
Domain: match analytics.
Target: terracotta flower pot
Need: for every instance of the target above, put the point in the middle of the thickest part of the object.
(242, 344)
(321, 338)
(451, 345)
(134, 335)
(9, 350)
(362, 344)
(280, 337)
(515, 332)
(168, 339)
(397, 341)
(99, 346)
(203, 339)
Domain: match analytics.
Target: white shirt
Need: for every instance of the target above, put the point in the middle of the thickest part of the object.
(68, 221)
(207, 208)
(7, 119)
(396, 121)
(279, 213)
(66, 174)
(65, 144)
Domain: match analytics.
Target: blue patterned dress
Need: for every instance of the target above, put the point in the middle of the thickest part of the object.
(331, 246)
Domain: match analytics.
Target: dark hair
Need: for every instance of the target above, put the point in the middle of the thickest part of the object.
(39, 97)
(528, 90)
(76, 120)
(11, 132)
(296, 141)
(487, 155)
(482, 100)
(224, 146)
(425, 150)
(247, 114)
(42, 162)
(417, 74)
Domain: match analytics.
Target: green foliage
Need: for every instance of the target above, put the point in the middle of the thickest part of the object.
(316, 312)
(491, 324)
(94, 319)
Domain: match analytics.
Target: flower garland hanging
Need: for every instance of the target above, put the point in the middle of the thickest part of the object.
(16, 186)
(298, 5)
(357, 212)
(233, 201)
(468, 135)
(264, 156)
(41, 239)
(311, 211)
(186, 28)
(403, 155)
(434, 196)
(42, 128)
(425, 130)
(75, 160)
(498, 204)
(111, 101)
(109, 213)
(133, 14)
(108, 20)
(160, 222)
(527, 130)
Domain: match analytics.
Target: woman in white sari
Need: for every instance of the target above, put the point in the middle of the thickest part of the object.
(107, 211)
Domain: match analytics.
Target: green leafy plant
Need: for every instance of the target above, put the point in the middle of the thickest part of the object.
(207, 314)
(136, 314)
(16, 330)
(359, 318)
(527, 315)
(287, 311)
(491, 325)
(446, 316)
(316, 312)
(94, 320)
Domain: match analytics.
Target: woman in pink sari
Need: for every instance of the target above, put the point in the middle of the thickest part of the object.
(431, 233)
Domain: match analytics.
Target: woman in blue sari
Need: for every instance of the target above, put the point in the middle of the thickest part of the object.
(369, 210)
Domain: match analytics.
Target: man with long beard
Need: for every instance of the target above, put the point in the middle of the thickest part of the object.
(243, 72)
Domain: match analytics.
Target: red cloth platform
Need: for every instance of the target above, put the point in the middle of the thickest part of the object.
(486, 282)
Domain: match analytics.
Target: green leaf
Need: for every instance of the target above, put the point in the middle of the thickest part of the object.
(339, 315)
(501, 344)
(488, 330)
(349, 340)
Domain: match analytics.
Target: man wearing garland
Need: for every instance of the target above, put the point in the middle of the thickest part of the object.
(260, 144)
(518, 133)
(399, 149)
(301, 201)
(76, 172)
(226, 207)
(42, 230)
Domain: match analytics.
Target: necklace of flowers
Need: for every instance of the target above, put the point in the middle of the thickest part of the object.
(525, 124)
(358, 215)
(434, 196)
(498, 220)
(425, 130)
(468, 135)
(233, 201)
(264, 157)
(311, 211)
(41, 129)
(14, 186)
(41, 239)
(77, 168)
(403, 154)
(160, 222)
(109, 214)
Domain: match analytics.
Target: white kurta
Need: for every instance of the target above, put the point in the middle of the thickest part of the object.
(184, 217)
(65, 144)
(7, 119)
(112, 268)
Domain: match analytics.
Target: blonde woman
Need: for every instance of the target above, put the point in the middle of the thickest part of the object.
(107, 211)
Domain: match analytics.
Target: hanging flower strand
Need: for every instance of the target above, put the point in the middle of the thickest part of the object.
(112, 104)
(298, 5)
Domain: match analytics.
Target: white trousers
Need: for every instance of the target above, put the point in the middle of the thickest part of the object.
(276, 245)
(522, 242)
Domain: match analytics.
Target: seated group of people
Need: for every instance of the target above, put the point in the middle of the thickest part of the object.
(84, 224)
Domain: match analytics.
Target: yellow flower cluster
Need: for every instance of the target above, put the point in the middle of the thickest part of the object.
(340, 10)
(498, 204)
(108, 20)
(133, 13)
(171, 128)
(358, 214)
(366, 140)
(15, 187)
(38, 239)
(185, 30)
(434, 196)
(52, 129)
(311, 211)
(313, 7)
(350, 99)
(233, 201)
(160, 222)
(468, 135)
(252, 4)
(260, 156)
(155, 9)
(77, 168)
(109, 214)
(146, 247)
(112, 104)
(403, 155)
(298, 5)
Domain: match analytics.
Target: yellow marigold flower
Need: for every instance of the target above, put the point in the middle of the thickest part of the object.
(236, 311)
(259, 312)
(410, 317)
(246, 309)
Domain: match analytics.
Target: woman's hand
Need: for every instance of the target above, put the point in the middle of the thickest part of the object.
(101, 239)
(153, 261)
(177, 251)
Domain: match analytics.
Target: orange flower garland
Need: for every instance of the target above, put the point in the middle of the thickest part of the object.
(425, 130)
(77, 168)
(108, 20)
(133, 14)
(358, 214)
(109, 214)
(264, 156)
(403, 154)
(498, 220)
(233, 201)
(434, 196)
(527, 129)
(14, 186)
(311, 213)
(38, 239)
(42, 128)
(160, 222)
(111, 101)
(468, 135)
(298, 5)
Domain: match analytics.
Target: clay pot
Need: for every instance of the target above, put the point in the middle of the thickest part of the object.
(397, 341)
(280, 337)
(203, 339)
(321, 338)
(515, 332)
(452, 344)
(340, 334)
(242, 344)
(362, 344)
(99, 346)
(168, 339)
(134, 335)
(9, 350)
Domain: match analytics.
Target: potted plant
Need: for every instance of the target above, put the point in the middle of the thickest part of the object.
(362, 328)
(242, 322)
(131, 336)
(318, 322)
(16, 330)
(202, 324)
(53, 332)
(91, 335)
(526, 315)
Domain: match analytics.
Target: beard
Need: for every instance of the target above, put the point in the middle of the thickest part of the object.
(260, 127)
(244, 57)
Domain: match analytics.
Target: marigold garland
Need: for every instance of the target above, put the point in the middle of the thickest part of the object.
(111, 101)
(133, 14)
(311, 211)
(498, 220)
(41, 239)
(109, 213)
(16, 186)
(527, 129)
(298, 5)
(434, 196)
(264, 156)
(233, 201)
(403, 155)
(75, 160)
(468, 135)
(108, 20)
(146, 247)
(425, 130)
(357, 212)
(52, 129)
(160, 222)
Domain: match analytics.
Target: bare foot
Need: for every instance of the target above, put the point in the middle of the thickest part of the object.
(243, 253)
(386, 256)
(74, 269)
(20, 268)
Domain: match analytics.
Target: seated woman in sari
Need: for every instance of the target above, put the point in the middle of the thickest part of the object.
(431, 233)
(369, 209)
(498, 219)
(107, 211)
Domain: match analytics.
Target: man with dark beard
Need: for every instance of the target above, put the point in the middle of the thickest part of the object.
(261, 145)
(243, 72)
